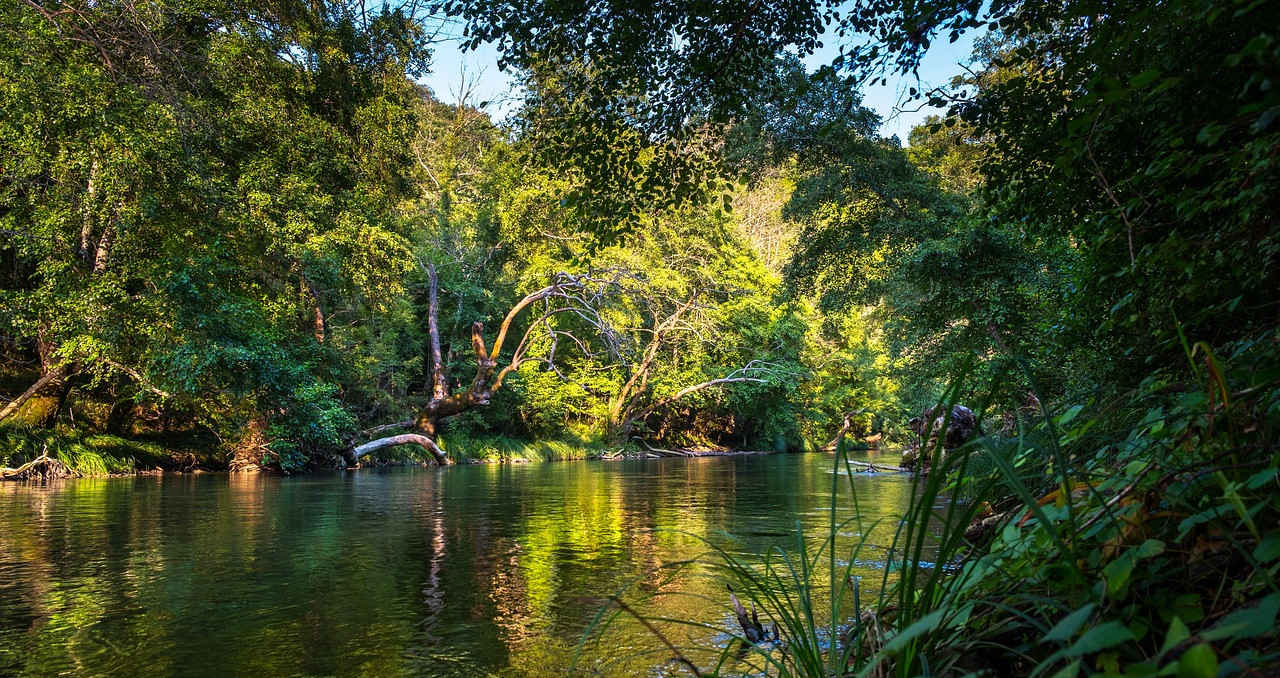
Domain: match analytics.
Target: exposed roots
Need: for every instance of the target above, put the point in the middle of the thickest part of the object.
(42, 467)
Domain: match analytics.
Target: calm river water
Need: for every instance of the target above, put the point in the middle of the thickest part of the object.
(463, 571)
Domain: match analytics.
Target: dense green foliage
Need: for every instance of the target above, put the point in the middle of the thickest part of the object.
(178, 198)
(218, 222)
(1085, 245)
(235, 218)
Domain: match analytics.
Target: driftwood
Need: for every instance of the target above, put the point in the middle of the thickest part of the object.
(877, 468)
(752, 630)
(42, 467)
(662, 452)
(983, 528)
(402, 439)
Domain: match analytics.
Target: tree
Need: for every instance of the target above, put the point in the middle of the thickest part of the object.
(948, 149)
(634, 401)
(190, 190)
(566, 295)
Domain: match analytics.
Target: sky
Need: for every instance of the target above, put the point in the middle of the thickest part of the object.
(454, 71)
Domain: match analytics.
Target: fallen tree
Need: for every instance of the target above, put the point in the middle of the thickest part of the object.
(576, 295)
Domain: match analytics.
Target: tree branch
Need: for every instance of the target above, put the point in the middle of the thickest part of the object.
(402, 439)
(695, 388)
(142, 381)
(848, 424)
(387, 427)
(34, 389)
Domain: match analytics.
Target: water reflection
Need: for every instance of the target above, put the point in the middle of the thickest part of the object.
(454, 572)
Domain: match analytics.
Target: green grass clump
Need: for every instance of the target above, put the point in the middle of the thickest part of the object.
(559, 450)
(463, 447)
(100, 454)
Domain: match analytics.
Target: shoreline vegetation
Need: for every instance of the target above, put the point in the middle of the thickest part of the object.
(104, 455)
(249, 226)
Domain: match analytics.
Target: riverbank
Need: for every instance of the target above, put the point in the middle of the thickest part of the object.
(102, 455)
(105, 455)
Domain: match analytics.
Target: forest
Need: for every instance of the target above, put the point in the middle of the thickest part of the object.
(244, 236)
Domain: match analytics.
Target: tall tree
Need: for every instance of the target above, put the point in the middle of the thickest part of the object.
(188, 189)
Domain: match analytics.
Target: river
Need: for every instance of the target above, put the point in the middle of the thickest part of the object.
(461, 571)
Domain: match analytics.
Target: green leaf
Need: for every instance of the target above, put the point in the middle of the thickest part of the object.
(1069, 415)
(1150, 548)
(1178, 632)
(1261, 478)
(1247, 623)
(1198, 662)
(1067, 627)
(1268, 550)
(1116, 574)
(1204, 516)
(1100, 638)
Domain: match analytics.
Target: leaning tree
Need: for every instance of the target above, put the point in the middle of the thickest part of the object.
(580, 296)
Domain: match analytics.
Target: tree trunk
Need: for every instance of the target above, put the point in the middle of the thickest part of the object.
(319, 324)
(487, 378)
(439, 380)
(16, 403)
(86, 226)
(104, 249)
(64, 391)
(402, 439)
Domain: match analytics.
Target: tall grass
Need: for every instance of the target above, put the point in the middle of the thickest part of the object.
(1136, 537)
(99, 454)
(462, 447)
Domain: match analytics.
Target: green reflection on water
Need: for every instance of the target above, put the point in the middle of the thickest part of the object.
(436, 572)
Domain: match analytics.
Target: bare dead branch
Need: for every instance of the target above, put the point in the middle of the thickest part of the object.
(402, 439)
